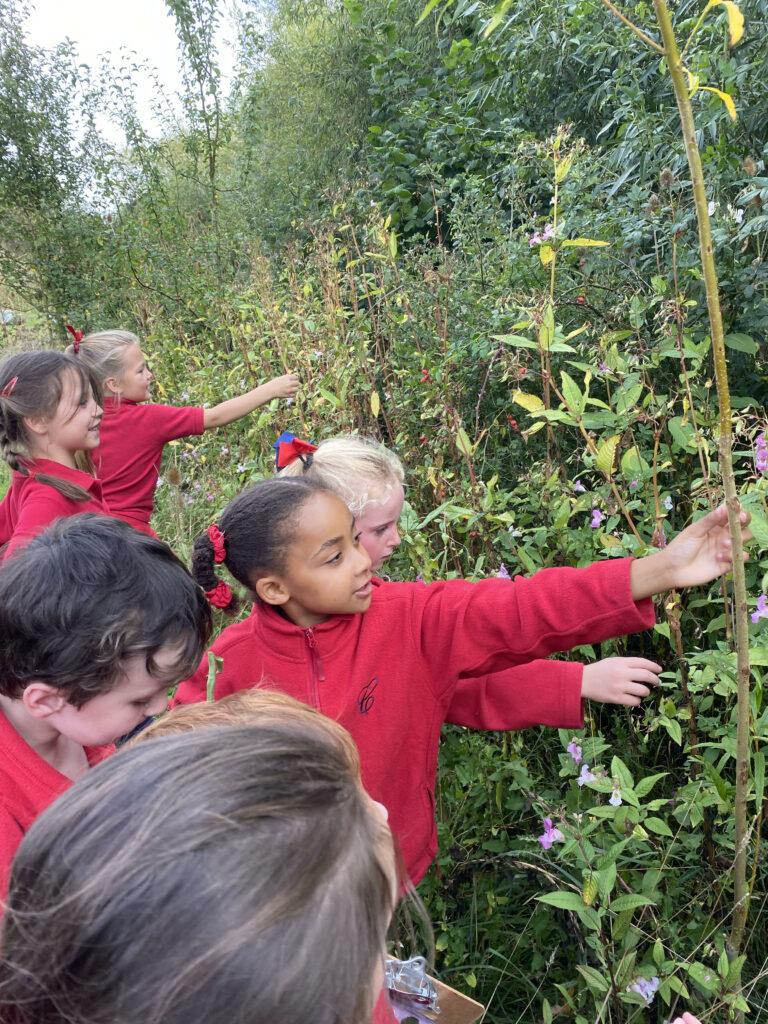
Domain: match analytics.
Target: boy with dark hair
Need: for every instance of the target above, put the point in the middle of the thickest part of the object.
(96, 621)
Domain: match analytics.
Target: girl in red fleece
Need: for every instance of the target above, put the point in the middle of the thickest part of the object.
(384, 659)
(49, 422)
(135, 431)
(369, 478)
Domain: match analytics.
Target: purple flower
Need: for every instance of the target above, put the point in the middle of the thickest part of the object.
(668, 505)
(603, 367)
(548, 232)
(762, 609)
(761, 453)
(615, 799)
(420, 579)
(551, 835)
(578, 487)
(586, 775)
(502, 574)
(597, 518)
(535, 239)
(574, 750)
(645, 987)
(633, 484)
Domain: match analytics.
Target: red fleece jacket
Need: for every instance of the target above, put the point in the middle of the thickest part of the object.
(28, 784)
(390, 675)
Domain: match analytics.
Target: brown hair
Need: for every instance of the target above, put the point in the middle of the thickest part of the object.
(253, 707)
(31, 384)
(224, 876)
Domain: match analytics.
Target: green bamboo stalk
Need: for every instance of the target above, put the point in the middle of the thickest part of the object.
(677, 75)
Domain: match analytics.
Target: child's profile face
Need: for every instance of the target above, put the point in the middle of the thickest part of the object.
(133, 386)
(73, 427)
(138, 695)
(378, 525)
(328, 570)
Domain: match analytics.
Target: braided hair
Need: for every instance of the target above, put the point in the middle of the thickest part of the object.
(32, 384)
(251, 537)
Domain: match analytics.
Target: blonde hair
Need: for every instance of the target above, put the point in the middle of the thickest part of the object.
(104, 353)
(359, 469)
(264, 708)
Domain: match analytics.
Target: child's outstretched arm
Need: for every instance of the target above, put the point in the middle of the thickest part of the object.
(701, 553)
(619, 680)
(235, 408)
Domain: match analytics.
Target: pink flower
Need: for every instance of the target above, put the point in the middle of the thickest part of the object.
(551, 835)
(547, 233)
(574, 750)
(535, 239)
(761, 453)
(762, 609)
(502, 574)
(615, 798)
(578, 487)
(597, 518)
(586, 775)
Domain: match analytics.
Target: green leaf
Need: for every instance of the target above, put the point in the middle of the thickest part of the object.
(565, 899)
(661, 828)
(631, 901)
(741, 343)
(622, 773)
(594, 979)
(547, 327)
(705, 977)
(758, 768)
(215, 666)
(572, 394)
(606, 454)
(515, 339)
(644, 786)
(674, 730)
(463, 443)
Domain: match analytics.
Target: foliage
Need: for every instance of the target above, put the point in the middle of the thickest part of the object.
(406, 273)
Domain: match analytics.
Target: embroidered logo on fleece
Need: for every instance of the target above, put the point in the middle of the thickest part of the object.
(365, 699)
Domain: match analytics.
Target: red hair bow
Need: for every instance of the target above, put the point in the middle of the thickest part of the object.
(220, 596)
(77, 335)
(217, 540)
(289, 451)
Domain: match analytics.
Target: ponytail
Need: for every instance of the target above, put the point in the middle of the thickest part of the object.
(252, 537)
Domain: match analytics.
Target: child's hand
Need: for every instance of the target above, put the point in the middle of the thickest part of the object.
(701, 553)
(285, 386)
(619, 680)
(687, 1018)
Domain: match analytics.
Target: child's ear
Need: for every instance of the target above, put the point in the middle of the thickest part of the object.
(37, 425)
(272, 590)
(112, 385)
(42, 700)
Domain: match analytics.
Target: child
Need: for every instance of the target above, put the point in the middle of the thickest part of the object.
(369, 479)
(384, 659)
(134, 431)
(96, 621)
(49, 422)
(225, 876)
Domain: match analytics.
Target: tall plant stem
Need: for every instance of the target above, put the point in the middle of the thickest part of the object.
(674, 63)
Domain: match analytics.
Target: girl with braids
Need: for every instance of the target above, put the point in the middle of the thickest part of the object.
(135, 431)
(385, 659)
(50, 413)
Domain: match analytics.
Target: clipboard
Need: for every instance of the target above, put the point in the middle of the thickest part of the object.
(455, 1007)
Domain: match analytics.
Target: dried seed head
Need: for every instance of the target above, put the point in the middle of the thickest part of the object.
(749, 166)
(666, 179)
(174, 476)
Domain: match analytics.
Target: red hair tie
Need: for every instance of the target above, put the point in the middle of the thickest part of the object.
(220, 596)
(217, 539)
(289, 451)
(8, 389)
(77, 335)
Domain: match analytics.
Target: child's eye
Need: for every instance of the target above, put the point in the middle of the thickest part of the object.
(334, 559)
(381, 529)
(356, 538)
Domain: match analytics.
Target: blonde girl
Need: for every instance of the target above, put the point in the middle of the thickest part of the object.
(135, 430)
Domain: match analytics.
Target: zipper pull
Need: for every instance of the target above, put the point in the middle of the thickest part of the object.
(315, 653)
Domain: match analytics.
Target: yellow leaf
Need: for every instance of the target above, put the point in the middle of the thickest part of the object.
(583, 242)
(530, 402)
(727, 100)
(693, 83)
(590, 890)
(375, 404)
(606, 455)
(463, 442)
(735, 20)
(563, 167)
(546, 254)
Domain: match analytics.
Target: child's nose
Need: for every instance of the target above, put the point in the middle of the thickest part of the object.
(394, 538)
(158, 705)
(365, 559)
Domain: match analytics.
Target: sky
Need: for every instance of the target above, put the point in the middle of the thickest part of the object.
(100, 26)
